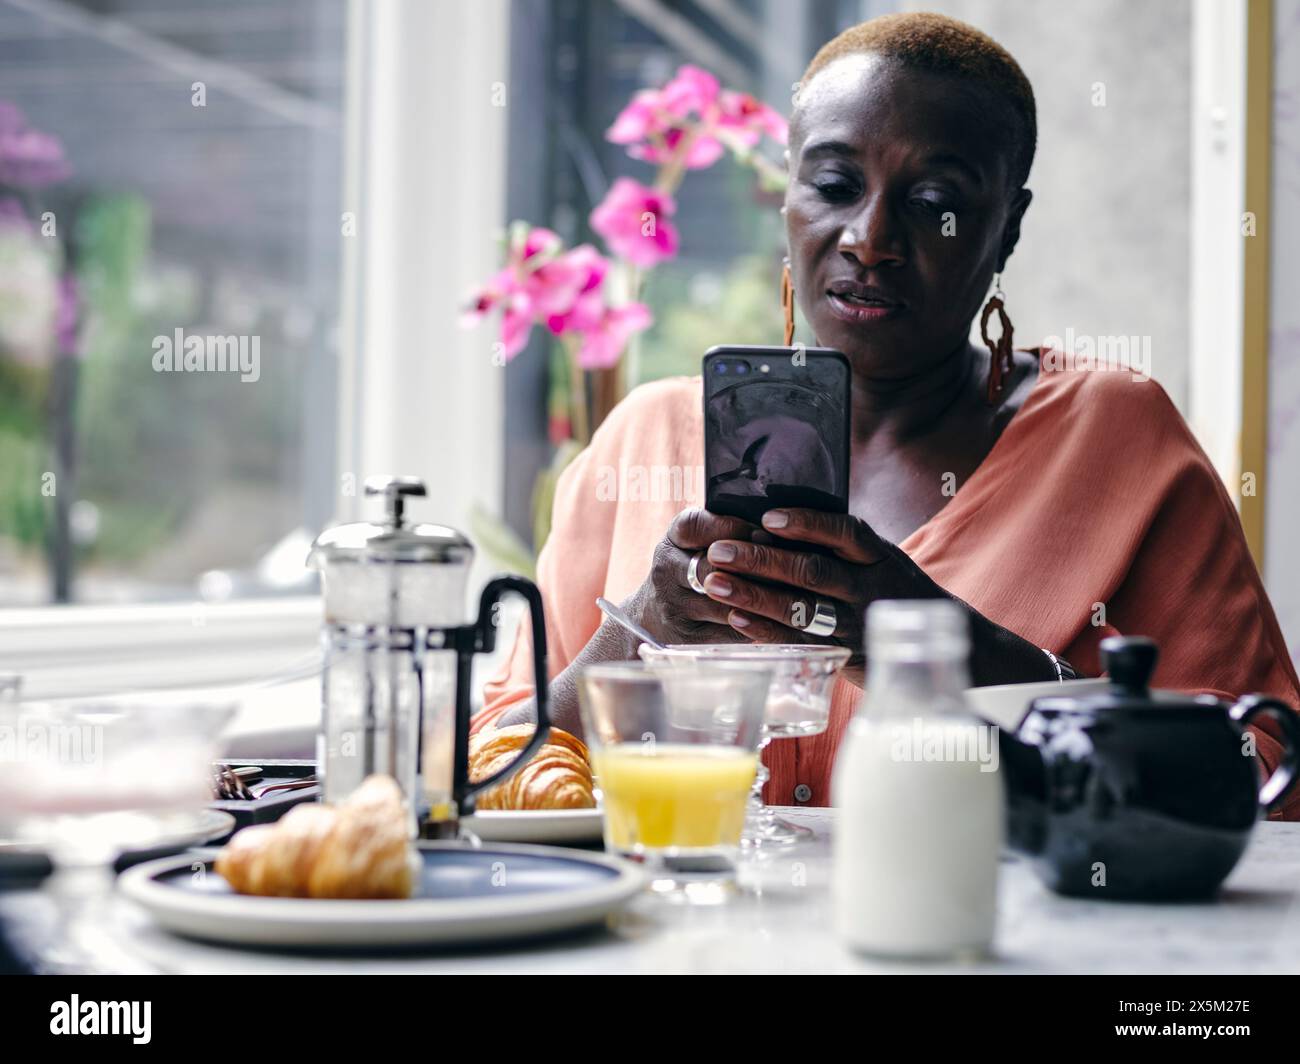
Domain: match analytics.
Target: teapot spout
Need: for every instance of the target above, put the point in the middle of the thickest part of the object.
(1024, 779)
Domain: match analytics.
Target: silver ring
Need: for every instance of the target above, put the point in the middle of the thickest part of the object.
(824, 619)
(693, 573)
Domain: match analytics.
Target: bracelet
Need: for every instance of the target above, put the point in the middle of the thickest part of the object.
(1064, 670)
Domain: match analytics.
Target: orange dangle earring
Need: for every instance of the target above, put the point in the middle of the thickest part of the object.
(999, 349)
(787, 301)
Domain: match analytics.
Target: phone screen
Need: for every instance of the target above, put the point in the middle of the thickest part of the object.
(776, 430)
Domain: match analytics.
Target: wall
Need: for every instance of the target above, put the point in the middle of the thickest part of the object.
(1282, 501)
(1105, 247)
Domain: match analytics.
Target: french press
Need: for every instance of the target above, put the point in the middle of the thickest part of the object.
(398, 656)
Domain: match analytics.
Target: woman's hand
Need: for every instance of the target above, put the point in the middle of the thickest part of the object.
(765, 591)
(770, 585)
(665, 604)
(771, 588)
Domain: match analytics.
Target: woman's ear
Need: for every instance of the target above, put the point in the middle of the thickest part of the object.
(1011, 232)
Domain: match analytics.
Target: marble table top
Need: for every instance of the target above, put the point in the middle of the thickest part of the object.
(781, 924)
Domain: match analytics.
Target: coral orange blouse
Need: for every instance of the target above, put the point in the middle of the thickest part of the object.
(1095, 502)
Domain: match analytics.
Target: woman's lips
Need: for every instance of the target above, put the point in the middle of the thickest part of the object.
(861, 313)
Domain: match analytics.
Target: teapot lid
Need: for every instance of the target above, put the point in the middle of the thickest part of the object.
(1129, 662)
(391, 541)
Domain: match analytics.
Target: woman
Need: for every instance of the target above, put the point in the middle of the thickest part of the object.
(1056, 506)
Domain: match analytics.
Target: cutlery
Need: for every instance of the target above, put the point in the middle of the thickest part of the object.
(230, 785)
(296, 785)
(616, 614)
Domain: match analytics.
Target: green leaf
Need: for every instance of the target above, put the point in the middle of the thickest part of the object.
(544, 490)
(501, 543)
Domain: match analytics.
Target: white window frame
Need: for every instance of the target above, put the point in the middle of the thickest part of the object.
(425, 150)
(1218, 178)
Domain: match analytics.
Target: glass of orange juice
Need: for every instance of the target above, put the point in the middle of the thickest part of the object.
(674, 751)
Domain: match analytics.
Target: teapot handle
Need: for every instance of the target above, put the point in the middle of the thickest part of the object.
(1279, 784)
(486, 641)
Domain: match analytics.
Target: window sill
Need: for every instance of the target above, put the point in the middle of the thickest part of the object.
(75, 651)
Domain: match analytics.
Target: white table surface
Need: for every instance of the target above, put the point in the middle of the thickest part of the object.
(782, 925)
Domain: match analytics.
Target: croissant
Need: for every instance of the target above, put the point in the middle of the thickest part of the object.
(557, 777)
(357, 849)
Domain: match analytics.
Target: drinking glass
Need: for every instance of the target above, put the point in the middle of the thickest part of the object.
(798, 705)
(674, 752)
(87, 780)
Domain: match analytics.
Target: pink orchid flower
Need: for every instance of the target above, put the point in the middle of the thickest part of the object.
(750, 117)
(516, 290)
(525, 255)
(634, 220)
(692, 108)
(504, 291)
(654, 123)
(603, 345)
(28, 157)
(574, 300)
(703, 151)
(637, 120)
(575, 296)
(691, 92)
(563, 290)
(516, 323)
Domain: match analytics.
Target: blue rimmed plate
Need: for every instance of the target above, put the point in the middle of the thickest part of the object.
(464, 896)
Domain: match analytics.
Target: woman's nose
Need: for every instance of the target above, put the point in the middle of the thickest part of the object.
(871, 238)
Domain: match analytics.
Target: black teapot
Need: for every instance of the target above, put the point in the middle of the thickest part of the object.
(1139, 794)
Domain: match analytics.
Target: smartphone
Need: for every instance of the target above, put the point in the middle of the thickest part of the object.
(776, 430)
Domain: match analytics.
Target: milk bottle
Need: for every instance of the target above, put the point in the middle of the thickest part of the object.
(919, 827)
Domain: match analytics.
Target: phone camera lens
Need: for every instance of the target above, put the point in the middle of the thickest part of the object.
(719, 367)
(742, 367)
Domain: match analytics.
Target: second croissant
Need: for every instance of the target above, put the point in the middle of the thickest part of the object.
(557, 777)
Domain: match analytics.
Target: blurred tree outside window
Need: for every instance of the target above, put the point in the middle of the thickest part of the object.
(192, 182)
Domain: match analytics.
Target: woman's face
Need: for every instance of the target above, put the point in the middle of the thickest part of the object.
(898, 212)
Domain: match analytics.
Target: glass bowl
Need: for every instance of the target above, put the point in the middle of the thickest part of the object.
(803, 676)
(798, 705)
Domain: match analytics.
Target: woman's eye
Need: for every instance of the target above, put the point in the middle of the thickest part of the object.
(933, 201)
(836, 190)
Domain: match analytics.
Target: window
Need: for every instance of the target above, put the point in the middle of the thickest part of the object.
(198, 201)
(329, 179)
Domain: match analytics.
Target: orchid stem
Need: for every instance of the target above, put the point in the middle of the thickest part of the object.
(577, 396)
(629, 366)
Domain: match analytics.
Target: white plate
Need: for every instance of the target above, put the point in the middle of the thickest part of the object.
(537, 825)
(492, 893)
(1006, 704)
(178, 832)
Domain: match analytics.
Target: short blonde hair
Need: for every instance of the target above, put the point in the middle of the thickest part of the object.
(944, 45)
